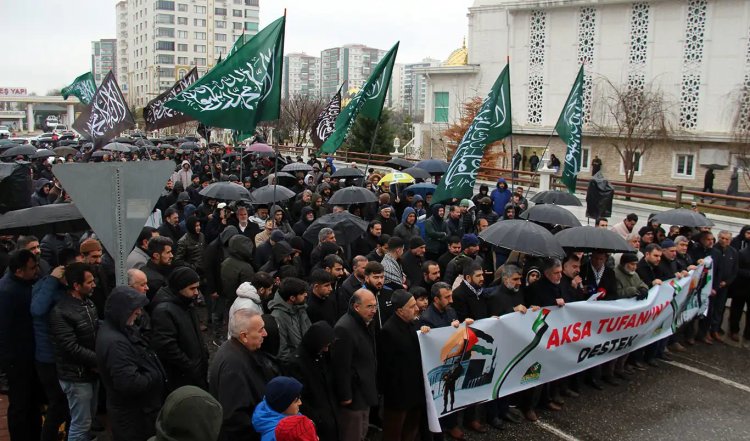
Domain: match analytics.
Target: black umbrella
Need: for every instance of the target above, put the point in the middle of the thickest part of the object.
(43, 153)
(592, 239)
(271, 193)
(42, 220)
(417, 173)
(23, 150)
(556, 197)
(65, 151)
(524, 237)
(297, 166)
(551, 214)
(683, 217)
(192, 138)
(226, 191)
(100, 154)
(123, 139)
(398, 163)
(190, 145)
(143, 142)
(280, 175)
(433, 166)
(352, 195)
(117, 147)
(345, 225)
(348, 173)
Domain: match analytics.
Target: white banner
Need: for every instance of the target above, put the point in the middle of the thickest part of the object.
(500, 356)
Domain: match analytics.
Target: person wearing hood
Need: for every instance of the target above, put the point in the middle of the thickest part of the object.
(288, 307)
(282, 399)
(184, 175)
(485, 210)
(324, 189)
(175, 330)
(316, 202)
(189, 414)
(236, 268)
(264, 251)
(190, 246)
(419, 206)
(130, 370)
(281, 254)
(408, 226)
(742, 240)
(213, 256)
(436, 232)
(254, 295)
(483, 192)
(41, 191)
(307, 217)
(278, 214)
(500, 197)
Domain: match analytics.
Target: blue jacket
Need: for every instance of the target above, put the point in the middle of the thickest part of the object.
(265, 421)
(16, 329)
(44, 296)
(500, 197)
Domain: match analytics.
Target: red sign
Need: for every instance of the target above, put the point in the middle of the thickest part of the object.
(13, 91)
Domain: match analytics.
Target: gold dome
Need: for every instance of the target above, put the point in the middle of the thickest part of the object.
(459, 57)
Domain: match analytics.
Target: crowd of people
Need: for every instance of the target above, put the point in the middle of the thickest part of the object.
(234, 327)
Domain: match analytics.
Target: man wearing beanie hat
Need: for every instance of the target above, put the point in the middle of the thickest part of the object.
(282, 399)
(176, 336)
(412, 260)
(668, 263)
(400, 370)
(469, 254)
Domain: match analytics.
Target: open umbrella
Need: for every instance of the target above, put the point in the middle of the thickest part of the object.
(422, 189)
(345, 225)
(19, 150)
(396, 178)
(417, 173)
(270, 194)
(588, 239)
(348, 172)
(352, 195)
(143, 142)
(398, 163)
(556, 197)
(522, 236)
(123, 140)
(7, 143)
(230, 155)
(42, 220)
(551, 214)
(433, 166)
(281, 175)
(259, 147)
(43, 153)
(65, 151)
(226, 191)
(297, 166)
(683, 217)
(117, 147)
(100, 154)
(189, 145)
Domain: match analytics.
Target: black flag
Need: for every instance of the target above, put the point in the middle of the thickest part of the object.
(107, 115)
(326, 122)
(158, 116)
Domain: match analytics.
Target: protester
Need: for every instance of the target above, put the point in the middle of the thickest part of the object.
(140, 256)
(288, 307)
(159, 266)
(189, 414)
(282, 398)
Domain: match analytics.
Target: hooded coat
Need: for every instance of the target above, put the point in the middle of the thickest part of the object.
(190, 248)
(500, 197)
(38, 198)
(279, 251)
(407, 231)
(739, 242)
(188, 414)
(183, 176)
(293, 323)
(302, 224)
(213, 257)
(284, 224)
(436, 232)
(130, 371)
(236, 268)
(265, 420)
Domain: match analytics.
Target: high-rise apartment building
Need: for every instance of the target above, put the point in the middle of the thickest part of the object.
(351, 63)
(103, 58)
(301, 75)
(415, 87)
(121, 24)
(164, 39)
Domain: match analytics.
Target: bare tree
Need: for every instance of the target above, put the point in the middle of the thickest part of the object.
(298, 114)
(630, 118)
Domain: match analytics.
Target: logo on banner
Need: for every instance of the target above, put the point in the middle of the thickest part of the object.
(532, 373)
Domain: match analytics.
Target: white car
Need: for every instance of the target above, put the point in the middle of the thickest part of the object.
(51, 121)
(4, 132)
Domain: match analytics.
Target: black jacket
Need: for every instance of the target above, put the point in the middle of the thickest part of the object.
(16, 327)
(400, 365)
(157, 277)
(727, 260)
(608, 282)
(345, 293)
(171, 231)
(238, 382)
(469, 305)
(648, 273)
(213, 256)
(72, 326)
(544, 293)
(412, 267)
(503, 300)
(176, 337)
(132, 374)
(322, 309)
(354, 362)
(436, 319)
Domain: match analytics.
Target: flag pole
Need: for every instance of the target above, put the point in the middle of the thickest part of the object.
(512, 152)
(369, 155)
(275, 150)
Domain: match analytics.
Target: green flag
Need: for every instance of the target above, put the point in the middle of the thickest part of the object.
(83, 88)
(241, 40)
(569, 128)
(244, 89)
(492, 123)
(368, 101)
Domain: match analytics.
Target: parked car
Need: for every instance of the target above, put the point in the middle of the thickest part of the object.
(4, 132)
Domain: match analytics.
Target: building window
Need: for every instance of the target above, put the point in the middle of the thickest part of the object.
(200, 9)
(684, 165)
(182, 21)
(199, 22)
(165, 32)
(183, 35)
(200, 35)
(236, 12)
(164, 46)
(182, 47)
(165, 59)
(441, 107)
(166, 72)
(249, 13)
(182, 8)
(220, 37)
(164, 19)
(251, 26)
(220, 24)
(164, 5)
(638, 158)
(218, 50)
(586, 159)
(237, 26)
(199, 48)
(220, 11)
(251, 3)
(182, 60)
(200, 61)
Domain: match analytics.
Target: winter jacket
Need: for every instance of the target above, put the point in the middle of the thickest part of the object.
(436, 232)
(16, 328)
(238, 382)
(628, 285)
(412, 267)
(500, 197)
(436, 319)
(322, 309)
(130, 370)
(468, 304)
(400, 365)
(607, 282)
(648, 273)
(727, 261)
(190, 251)
(44, 296)
(544, 293)
(503, 301)
(188, 414)
(279, 251)
(455, 267)
(293, 323)
(739, 242)
(265, 421)
(388, 225)
(177, 339)
(183, 176)
(38, 198)
(156, 276)
(52, 244)
(171, 231)
(247, 298)
(354, 362)
(404, 230)
(301, 225)
(236, 268)
(73, 325)
(213, 256)
(137, 258)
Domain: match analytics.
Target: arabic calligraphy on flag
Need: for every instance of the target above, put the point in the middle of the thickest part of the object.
(157, 115)
(107, 115)
(326, 122)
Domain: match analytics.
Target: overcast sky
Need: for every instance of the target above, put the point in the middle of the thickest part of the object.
(46, 44)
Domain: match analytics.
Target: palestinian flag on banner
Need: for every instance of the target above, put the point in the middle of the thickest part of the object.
(464, 341)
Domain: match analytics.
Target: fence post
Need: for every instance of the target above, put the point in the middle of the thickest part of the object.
(678, 196)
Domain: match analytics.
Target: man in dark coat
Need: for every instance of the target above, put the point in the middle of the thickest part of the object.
(597, 277)
(355, 281)
(369, 240)
(130, 370)
(159, 266)
(170, 227)
(17, 346)
(236, 268)
(213, 256)
(175, 331)
(321, 305)
(311, 365)
(412, 260)
(237, 379)
(355, 366)
(725, 271)
(400, 370)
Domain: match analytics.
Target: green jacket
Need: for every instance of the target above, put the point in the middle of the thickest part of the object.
(627, 284)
